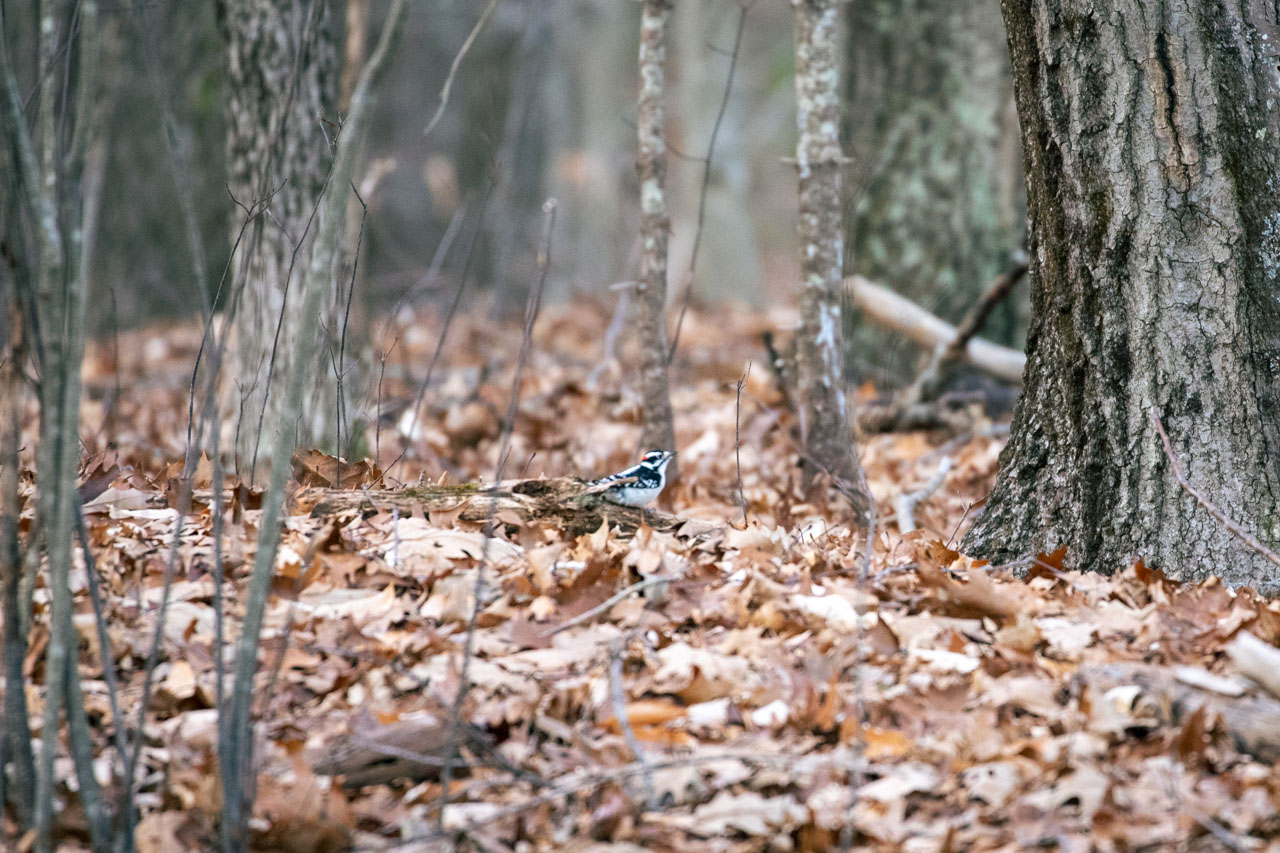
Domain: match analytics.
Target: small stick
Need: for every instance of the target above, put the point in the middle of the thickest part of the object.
(457, 61)
(906, 503)
(1209, 507)
(624, 722)
(605, 605)
(737, 444)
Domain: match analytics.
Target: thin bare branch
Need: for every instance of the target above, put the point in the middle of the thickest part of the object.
(607, 604)
(624, 722)
(1209, 506)
(737, 441)
(457, 61)
(685, 297)
(532, 306)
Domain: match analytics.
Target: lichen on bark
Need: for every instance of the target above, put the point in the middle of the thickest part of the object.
(821, 398)
(650, 330)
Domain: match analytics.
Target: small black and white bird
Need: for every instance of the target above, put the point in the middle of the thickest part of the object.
(639, 484)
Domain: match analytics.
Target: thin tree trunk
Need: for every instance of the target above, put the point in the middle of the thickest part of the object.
(824, 414)
(51, 190)
(280, 90)
(1151, 142)
(353, 52)
(17, 720)
(658, 431)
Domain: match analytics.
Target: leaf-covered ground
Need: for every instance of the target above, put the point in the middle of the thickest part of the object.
(780, 690)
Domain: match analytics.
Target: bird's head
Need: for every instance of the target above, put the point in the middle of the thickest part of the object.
(657, 458)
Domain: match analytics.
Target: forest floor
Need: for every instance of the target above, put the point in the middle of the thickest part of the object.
(778, 688)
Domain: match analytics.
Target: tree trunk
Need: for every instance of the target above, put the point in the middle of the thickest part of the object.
(937, 202)
(658, 431)
(824, 415)
(1151, 144)
(280, 89)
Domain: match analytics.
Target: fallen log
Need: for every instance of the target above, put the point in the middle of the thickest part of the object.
(566, 502)
(900, 314)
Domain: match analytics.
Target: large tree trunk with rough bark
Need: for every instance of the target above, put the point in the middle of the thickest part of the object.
(280, 89)
(1151, 141)
(657, 431)
(823, 404)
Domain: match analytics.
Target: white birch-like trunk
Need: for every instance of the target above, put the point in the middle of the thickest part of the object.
(823, 404)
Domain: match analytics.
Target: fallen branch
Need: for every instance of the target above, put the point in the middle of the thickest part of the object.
(906, 503)
(624, 722)
(946, 356)
(889, 309)
(563, 501)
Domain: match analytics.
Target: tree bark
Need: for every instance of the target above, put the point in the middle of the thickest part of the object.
(280, 88)
(937, 203)
(657, 431)
(823, 404)
(1151, 143)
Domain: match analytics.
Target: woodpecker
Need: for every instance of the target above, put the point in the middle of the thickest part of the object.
(641, 483)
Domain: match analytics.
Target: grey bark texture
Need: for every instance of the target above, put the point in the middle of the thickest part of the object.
(1151, 140)
(821, 398)
(650, 327)
(936, 192)
(280, 87)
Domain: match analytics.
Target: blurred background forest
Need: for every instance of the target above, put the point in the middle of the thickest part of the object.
(543, 104)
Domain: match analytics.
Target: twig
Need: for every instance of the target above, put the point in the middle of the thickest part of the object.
(453, 311)
(743, 8)
(616, 324)
(346, 318)
(906, 502)
(104, 640)
(457, 61)
(604, 606)
(1208, 505)
(282, 318)
(624, 722)
(532, 307)
(737, 442)
(946, 357)
(856, 762)
(433, 269)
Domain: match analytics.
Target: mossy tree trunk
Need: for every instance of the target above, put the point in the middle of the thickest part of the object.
(1151, 139)
(936, 199)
